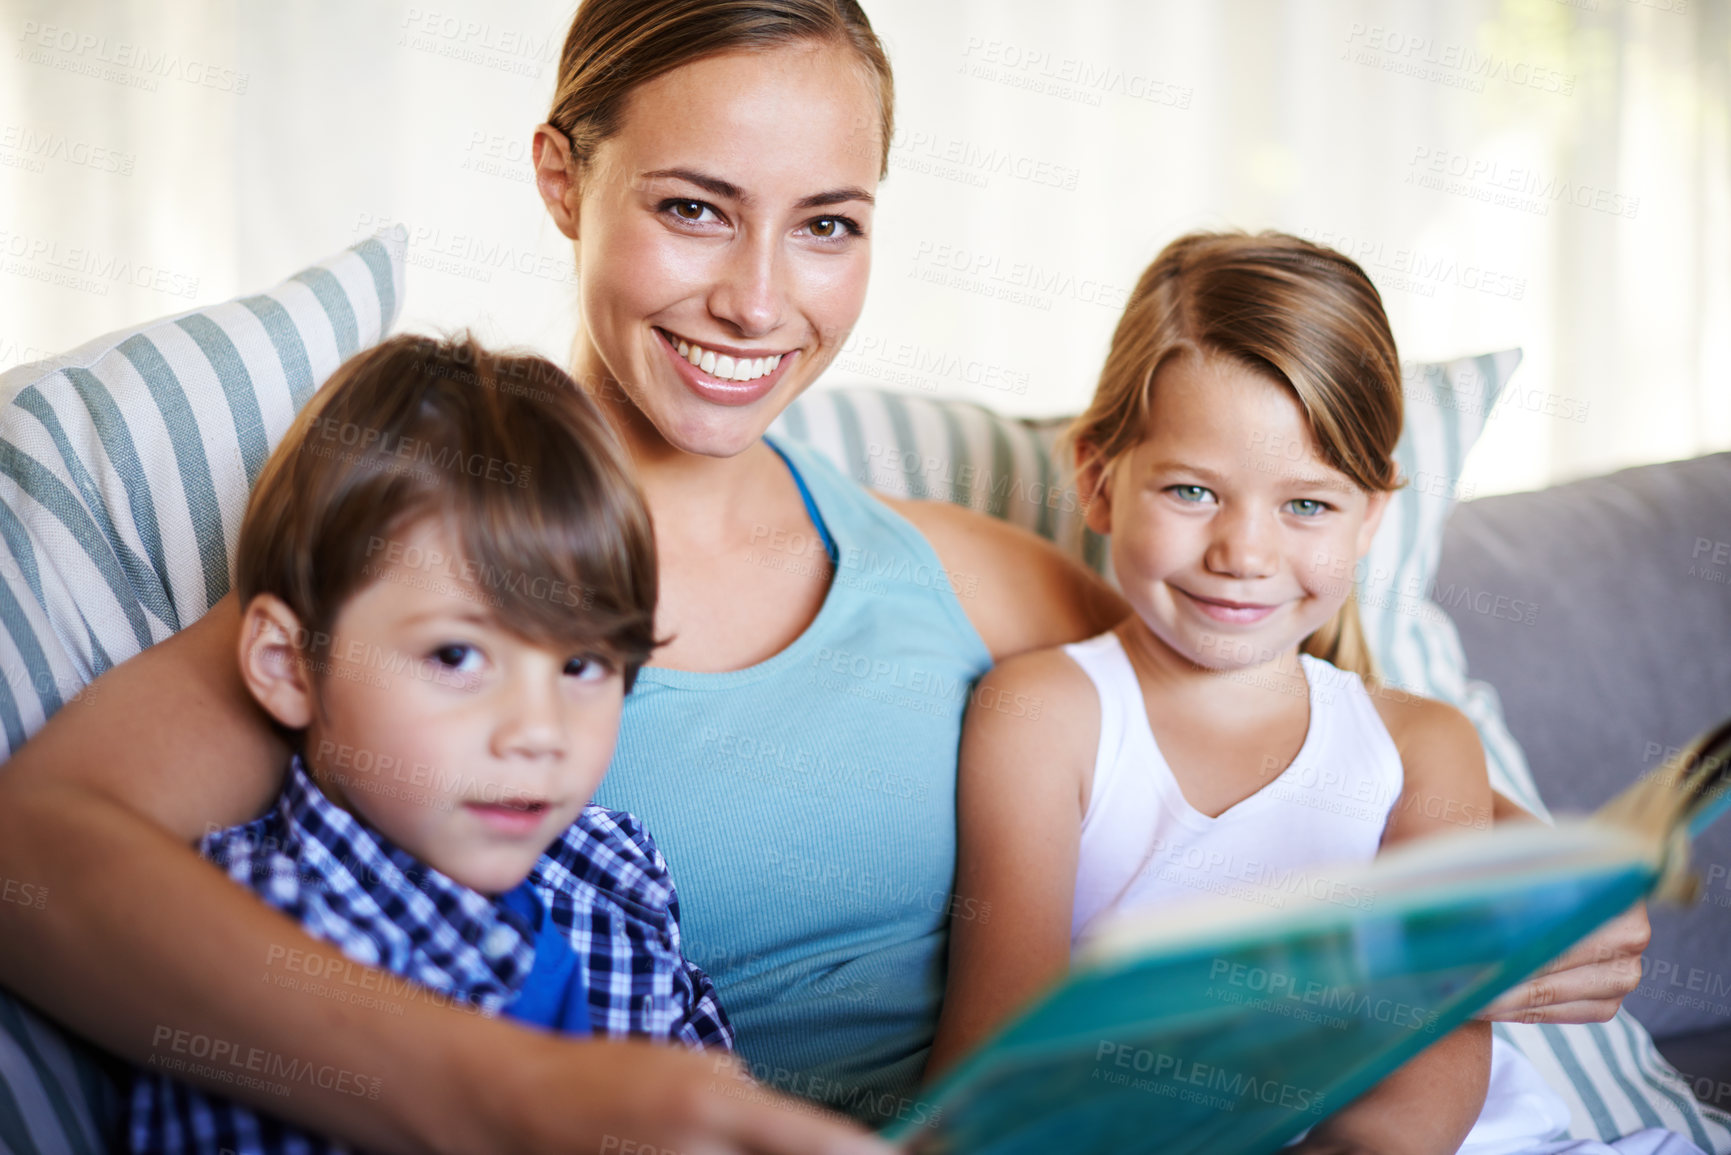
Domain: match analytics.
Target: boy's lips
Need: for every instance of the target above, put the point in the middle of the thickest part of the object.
(1229, 612)
(518, 817)
(768, 365)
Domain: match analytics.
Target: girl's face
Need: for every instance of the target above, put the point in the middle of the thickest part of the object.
(1231, 536)
(722, 240)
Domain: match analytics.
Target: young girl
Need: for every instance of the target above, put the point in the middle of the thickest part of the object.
(1226, 739)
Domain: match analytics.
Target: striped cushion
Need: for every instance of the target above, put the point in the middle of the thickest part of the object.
(909, 446)
(124, 471)
(125, 467)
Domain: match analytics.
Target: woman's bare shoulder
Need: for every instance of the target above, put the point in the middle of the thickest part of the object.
(1020, 591)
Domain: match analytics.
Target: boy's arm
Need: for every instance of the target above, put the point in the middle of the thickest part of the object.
(1431, 1102)
(1019, 813)
(612, 850)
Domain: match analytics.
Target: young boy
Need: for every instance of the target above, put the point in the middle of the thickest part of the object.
(449, 584)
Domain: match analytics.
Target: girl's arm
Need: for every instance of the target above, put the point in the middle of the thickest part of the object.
(1431, 1103)
(1019, 812)
(153, 953)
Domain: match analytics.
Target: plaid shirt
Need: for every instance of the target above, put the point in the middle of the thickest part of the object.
(604, 883)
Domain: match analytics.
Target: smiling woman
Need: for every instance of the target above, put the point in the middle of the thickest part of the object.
(793, 744)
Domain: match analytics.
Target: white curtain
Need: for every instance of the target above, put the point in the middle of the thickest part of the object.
(1553, 175)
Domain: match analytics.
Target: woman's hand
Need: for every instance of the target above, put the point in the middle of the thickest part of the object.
(634, 1096)
(1585, 985)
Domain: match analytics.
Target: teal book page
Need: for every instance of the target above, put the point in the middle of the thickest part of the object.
(1238, 1034)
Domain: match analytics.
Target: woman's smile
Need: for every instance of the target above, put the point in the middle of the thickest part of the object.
(725, 374)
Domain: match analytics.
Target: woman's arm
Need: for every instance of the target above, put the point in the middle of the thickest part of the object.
(156, 955)
(1024, 592)
(1432, 1101)
(1019, 814)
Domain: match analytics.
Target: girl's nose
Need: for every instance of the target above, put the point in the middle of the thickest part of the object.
(1244, 545)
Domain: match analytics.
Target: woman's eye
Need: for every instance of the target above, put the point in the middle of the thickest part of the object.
(689, 211)
(1306, 506)
(832, 228)
(1192, 493)
(588, 668)
(459, 657)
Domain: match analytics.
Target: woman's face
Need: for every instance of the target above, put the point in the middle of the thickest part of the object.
(722, 240)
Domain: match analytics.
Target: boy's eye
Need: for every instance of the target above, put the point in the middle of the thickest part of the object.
(457, 656)
(588, 668)
(1191, 493)
(1307, 506)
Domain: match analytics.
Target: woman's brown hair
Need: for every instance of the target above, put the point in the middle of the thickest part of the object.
(1299, 312)
(555, 539)
(616, 45)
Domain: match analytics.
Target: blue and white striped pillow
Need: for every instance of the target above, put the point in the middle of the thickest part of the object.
(1610, 1074)
(124, 472)
(125, 467)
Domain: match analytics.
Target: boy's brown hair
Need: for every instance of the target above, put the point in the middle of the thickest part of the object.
(504, 449)
(1301, 313)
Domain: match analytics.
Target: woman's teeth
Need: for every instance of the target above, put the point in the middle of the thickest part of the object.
(725, 367)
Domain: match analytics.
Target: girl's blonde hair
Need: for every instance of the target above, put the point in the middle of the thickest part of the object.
(1298, 312)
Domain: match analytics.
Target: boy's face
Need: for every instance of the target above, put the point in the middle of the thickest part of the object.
(467, 746)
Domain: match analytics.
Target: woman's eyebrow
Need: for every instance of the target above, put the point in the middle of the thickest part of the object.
(730, 191)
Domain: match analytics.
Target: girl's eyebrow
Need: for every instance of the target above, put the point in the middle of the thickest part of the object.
(1302, 481)
(729, 191)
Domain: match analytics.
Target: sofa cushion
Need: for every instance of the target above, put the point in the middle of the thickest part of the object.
(125, 467)
(1622, 658)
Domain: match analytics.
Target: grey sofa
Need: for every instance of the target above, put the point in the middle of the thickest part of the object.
(1629, 655)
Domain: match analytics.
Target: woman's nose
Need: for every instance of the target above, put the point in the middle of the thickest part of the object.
(748, 293)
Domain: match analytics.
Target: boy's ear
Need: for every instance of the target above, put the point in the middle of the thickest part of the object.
(1373, 511)
(1094, 486)
(271, 664)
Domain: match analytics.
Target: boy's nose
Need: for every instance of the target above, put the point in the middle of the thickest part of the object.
(528, 723)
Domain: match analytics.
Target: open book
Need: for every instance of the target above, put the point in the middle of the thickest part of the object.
(1213, 1028)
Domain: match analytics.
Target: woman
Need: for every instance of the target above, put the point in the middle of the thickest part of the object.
(793, 746)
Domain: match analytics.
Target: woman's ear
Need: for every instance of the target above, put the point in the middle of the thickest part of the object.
(1375, 507)
(271, 664)
(1094, 486)
(556, 177)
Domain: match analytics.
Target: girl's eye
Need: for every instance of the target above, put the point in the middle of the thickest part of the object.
(457, 656)
(1191, 493)
(1306, 506)
(588, 668)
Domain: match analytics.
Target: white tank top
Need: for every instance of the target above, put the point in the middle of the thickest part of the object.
(1143, 844)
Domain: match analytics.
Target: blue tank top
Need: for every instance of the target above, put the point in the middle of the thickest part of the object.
(806, 807)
